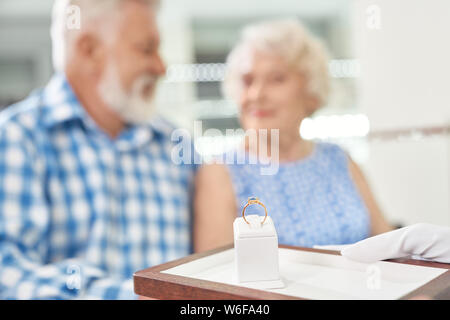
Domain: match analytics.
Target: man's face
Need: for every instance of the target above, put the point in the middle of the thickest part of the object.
(133, 64)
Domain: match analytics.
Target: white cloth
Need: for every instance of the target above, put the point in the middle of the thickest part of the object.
(421, 241)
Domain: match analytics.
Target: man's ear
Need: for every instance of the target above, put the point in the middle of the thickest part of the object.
(91, 51)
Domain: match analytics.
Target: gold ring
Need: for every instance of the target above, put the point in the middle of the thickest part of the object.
(250, 201)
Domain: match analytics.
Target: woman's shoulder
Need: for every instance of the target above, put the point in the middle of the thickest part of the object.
(212, 171)
(214, 182)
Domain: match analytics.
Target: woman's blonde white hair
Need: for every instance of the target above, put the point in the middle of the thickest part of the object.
(290, 40)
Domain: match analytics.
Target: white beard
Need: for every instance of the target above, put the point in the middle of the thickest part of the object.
(132, 107)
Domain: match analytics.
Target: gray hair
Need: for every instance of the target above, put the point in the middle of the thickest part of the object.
(64, 31)
(291, 41)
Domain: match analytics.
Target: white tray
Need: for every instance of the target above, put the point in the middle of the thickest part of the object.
(307, 274)
(315, 275)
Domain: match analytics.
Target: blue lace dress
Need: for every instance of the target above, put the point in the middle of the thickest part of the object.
(312, 201)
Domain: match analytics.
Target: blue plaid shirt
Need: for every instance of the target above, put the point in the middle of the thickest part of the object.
(79, 212)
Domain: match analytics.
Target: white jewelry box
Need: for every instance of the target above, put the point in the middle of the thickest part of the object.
(256, 253)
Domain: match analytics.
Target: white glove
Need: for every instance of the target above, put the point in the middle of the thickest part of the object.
(423, 241)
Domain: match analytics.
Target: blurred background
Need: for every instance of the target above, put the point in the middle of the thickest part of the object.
(390, 68)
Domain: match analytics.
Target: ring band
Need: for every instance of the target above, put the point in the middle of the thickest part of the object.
(250, 201)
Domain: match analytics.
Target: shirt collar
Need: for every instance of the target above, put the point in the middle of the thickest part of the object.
(60, 104)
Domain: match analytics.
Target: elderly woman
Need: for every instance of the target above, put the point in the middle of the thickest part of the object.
(278, 74)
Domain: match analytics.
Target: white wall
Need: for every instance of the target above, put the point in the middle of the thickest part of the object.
(173, 99)
(405, 83)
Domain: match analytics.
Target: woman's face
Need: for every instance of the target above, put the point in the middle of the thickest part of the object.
(274, 95)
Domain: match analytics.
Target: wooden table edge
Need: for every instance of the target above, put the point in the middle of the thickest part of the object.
(210, 290)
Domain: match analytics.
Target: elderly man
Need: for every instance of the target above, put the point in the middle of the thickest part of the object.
(88, 191)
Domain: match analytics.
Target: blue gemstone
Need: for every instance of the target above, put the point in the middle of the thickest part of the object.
(252, 198)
